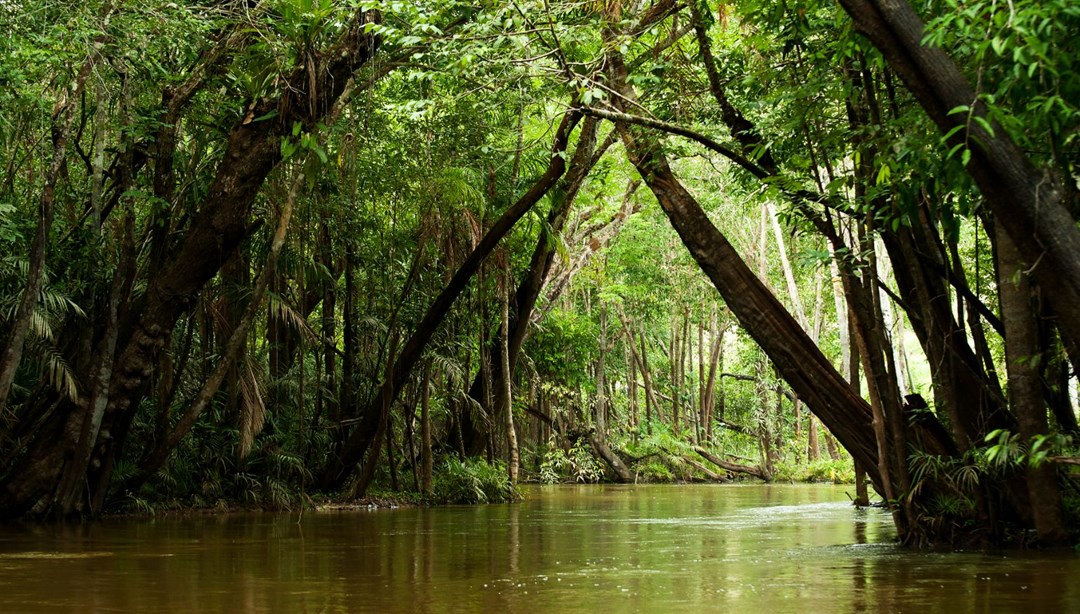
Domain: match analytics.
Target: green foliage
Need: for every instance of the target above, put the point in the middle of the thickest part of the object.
(823, 470)
(660, 455)
(565, 347)
(473, 480)
(654, 471)
(577, 465)
(1008, 450)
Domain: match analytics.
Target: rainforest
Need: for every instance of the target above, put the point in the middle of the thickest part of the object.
(297, 254)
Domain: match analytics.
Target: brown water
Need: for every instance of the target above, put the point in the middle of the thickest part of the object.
(605, 549)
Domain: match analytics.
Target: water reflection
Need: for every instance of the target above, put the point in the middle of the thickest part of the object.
(606, 549)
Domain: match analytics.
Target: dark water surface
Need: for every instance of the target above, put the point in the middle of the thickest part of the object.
(598, 549)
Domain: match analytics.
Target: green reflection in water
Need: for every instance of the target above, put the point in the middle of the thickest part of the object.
(606, 549)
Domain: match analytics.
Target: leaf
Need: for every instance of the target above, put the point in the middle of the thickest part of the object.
(984, 124)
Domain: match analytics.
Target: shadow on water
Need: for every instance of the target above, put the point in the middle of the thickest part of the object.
(608, 549)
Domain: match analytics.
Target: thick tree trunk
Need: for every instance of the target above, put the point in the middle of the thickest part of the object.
(252, 150)
(962, 387)
(71, 482)
(231, 351)
(618, 467)
(1025, 388)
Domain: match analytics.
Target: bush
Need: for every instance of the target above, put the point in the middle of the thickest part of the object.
(819, 471)
(655, 471)
(472, 481)
(578, 465)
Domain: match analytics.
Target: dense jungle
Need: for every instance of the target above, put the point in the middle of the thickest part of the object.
(281, 254)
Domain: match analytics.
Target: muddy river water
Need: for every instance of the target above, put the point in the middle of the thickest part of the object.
(596, 549)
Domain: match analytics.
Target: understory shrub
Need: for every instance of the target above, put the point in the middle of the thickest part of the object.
(577, 465)
(473, 480)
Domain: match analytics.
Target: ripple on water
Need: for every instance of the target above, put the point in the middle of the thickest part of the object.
(767, 515)
(54, 555)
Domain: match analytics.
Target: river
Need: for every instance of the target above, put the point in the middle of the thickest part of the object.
(596, 549)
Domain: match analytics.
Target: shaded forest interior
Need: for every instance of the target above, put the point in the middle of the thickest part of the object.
(269, 253)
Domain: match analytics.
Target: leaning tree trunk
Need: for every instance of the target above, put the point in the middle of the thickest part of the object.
(586, 155)
(800, 362)
(230, 354)
(354, 450)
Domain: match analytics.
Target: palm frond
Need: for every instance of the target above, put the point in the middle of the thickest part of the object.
(288, 314)
(252, 407)
(53, 367)
(450, 367)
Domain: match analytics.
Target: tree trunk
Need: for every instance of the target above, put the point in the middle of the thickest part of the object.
(600, 404)
(716, 360)
(157, 457)
(631, 382)
(813, 448)
(363, 436)
(251, 151)
(71, 483)
(622, 473)
(652, 406)
(673, 364)
(425, 431)
(63, 115)
(800, 362)
(586, 155)
(703, 416)
(1022, 354)
(757, 472)
(512, 456)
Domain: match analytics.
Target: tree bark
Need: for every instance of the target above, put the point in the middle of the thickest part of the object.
(1022, 354)
(230, 353)
(506, 402)
(622, 473)
(251, 151)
